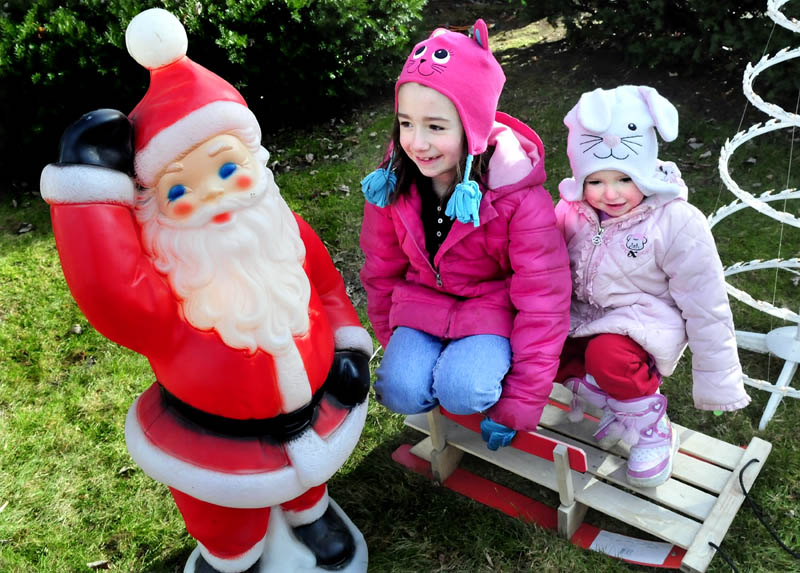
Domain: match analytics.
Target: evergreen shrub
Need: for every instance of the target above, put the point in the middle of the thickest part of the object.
(690, 37)
(292, 60)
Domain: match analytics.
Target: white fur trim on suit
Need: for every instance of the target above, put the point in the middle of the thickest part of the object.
(292, 379)
(240, 563)
(353, 338)
(306, 516)
(188, 132)
(85, 184)
(311, 456)
(314, 461)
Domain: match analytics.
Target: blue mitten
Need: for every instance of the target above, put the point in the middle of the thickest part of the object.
(496, 435)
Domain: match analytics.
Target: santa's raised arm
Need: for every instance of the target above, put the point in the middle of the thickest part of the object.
(261, 363)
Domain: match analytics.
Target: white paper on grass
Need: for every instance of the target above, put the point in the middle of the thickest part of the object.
(639, 550)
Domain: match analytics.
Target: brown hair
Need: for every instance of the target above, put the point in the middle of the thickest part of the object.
(407, 171)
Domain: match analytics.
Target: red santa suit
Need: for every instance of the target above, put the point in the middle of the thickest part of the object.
(231, 431)
(127, 300)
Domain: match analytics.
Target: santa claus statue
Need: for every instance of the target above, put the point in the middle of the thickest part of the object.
(261, 364)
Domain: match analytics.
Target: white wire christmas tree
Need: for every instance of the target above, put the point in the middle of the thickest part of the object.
(781, 342)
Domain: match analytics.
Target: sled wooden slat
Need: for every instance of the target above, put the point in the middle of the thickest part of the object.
(536, 444)
(694, 507)
(686, 467)
(674, 494)
(588, 490)
(715, 527)
(693, 443)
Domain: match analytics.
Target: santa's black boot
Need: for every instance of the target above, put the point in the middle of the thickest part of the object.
(203, 566)
(329, 540)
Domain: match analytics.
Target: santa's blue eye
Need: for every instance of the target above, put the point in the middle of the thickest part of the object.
(227, 170)
(176, 192)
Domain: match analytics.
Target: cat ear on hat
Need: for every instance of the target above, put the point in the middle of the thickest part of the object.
(481, 34)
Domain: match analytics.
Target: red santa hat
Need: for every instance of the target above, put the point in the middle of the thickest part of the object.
(185, 104)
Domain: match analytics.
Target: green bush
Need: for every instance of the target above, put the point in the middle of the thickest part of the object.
(686, 36)
(693, 38)
(686, 33)
(293, 60)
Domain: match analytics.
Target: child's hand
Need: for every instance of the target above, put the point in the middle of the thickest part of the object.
(496, 435)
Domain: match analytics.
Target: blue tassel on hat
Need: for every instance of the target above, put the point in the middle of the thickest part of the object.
(379, 185)
(466, 199)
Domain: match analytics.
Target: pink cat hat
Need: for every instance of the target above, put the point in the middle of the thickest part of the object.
(464, 70)
(616, 130)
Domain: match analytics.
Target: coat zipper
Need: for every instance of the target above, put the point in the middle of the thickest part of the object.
(422, 253)
(597, 240)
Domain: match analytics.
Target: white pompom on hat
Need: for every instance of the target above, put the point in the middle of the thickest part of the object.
(616, 130)
(185, 105)
(156, 38)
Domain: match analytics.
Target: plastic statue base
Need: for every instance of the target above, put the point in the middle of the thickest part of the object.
(283, 552)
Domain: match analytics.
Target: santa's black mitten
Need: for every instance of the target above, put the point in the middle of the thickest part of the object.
(348, 379)
(103, 137)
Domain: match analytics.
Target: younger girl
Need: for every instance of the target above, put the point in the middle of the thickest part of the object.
(646, 279)
(472, 313)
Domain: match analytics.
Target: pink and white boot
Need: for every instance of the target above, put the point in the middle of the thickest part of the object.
(646, 427)
(586, 391)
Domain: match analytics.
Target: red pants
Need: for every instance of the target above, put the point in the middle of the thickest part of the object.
(228, 532)
(619, 365)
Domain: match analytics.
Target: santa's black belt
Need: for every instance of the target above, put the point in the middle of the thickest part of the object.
(280, 428)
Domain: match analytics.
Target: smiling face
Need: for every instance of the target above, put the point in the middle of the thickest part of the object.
(197, 186)
(431, 133)
(612, 192)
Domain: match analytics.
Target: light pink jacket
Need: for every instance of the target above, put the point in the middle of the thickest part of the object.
(656, 277)
(509, 276)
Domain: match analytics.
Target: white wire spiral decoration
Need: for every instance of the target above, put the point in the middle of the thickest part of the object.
(781, 119)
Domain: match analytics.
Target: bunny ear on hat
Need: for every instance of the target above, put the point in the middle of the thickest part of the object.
(594, 110)
(664, 114)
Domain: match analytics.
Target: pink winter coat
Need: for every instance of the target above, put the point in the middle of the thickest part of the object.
(656, 277)
(509, 276)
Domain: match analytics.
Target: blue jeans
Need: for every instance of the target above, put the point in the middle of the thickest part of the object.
(419, 371)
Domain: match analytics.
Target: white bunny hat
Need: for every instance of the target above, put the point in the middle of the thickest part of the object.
(616, 130)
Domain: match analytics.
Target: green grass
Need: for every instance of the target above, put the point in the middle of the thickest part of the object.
(70, 494)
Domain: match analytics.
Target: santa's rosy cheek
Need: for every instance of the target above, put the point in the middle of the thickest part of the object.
(182, 210)
(244, 182)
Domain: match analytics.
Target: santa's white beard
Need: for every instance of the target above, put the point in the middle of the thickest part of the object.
(243, 278)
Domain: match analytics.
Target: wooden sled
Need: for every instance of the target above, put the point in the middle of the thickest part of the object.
(694, 508)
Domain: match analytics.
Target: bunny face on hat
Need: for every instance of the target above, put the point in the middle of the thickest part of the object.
(616, 130)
